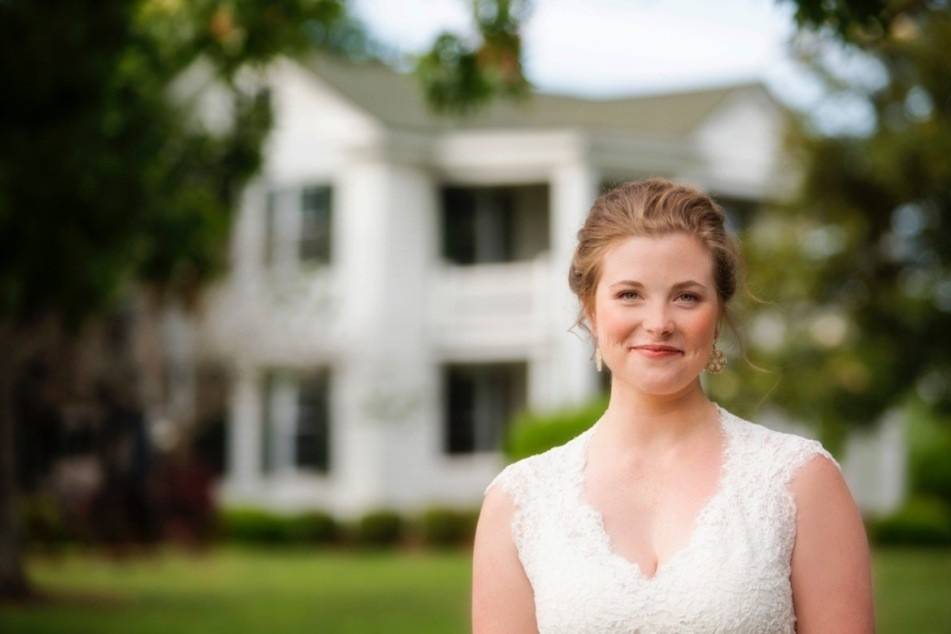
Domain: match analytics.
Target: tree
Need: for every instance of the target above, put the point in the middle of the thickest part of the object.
(460, 76)
(859, 262)
(105, 178)
(101, 180)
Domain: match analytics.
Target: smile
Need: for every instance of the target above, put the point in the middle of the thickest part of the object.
(656, 354)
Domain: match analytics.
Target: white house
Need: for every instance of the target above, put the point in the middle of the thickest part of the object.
(399, 280)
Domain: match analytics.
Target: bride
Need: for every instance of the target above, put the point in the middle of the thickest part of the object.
(670, 513)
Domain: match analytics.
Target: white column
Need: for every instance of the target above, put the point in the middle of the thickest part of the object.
(383, 382)
(893, 460)
(571, 378)
(359, 242)
(412, 423)
(244, 431)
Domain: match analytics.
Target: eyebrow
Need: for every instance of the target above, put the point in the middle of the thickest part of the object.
(677, 285)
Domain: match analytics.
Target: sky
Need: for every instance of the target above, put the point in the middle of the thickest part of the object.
(608, 47)
(604, 48)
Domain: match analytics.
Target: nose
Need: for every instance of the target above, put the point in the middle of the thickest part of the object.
(657, 321)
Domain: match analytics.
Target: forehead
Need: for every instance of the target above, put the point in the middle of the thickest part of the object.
(658, 260)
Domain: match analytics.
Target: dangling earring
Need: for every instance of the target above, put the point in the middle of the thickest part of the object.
(717, 361)
(598, 361)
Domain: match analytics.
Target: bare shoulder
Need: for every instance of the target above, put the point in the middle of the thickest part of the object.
(831, 553)
(817, 473)
(498, 510)
(502, 597)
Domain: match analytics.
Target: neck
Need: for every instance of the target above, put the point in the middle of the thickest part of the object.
(636, 422)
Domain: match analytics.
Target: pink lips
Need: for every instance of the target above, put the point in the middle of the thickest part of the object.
(656, 352)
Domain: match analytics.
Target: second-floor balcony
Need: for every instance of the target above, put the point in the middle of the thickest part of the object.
(297, 295)
(488, 292)
(488, 309)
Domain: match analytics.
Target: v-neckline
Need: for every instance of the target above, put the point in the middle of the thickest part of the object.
(604, 539)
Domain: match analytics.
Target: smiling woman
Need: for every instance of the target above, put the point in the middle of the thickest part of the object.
(669, 514)
(657, 334)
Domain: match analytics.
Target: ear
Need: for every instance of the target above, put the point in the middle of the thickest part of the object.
(589, 321)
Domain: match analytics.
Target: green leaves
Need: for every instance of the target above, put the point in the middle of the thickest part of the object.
(872, 224)
(106, 174)
(460, 77)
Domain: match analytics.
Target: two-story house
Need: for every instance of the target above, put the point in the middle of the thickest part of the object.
(399, 279)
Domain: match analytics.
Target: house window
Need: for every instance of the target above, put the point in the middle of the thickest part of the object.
(311, 433)
(494, 224)
(297, 226)
(295, 422)
(315, 213)
(480, 402)
(269, 429)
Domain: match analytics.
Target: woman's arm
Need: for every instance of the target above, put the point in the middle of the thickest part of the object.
(502, 599)
(831, 571)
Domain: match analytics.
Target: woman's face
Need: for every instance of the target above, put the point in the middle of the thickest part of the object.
(656, 291)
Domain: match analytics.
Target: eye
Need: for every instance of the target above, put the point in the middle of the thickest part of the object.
(626, 294)
(693, 297)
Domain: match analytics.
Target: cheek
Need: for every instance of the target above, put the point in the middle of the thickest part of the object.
(613, 324)
(700, 327)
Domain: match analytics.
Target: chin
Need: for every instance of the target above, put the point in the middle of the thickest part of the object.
(658, 387)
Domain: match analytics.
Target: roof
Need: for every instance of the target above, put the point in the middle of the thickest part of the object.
(397, 100)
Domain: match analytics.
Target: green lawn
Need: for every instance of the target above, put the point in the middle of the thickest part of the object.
(912, 591)
(234, 591)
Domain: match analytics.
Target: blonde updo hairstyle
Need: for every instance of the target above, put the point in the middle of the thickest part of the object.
(653, 207)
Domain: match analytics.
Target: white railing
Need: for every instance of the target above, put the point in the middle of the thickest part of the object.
(287, 318)
(488, 307)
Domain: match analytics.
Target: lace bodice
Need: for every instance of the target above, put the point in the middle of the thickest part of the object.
(731, 576)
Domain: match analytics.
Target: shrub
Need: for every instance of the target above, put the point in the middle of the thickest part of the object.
(470, 518)
(313, 527)
(253, 526)
(379, 528)
(922, 521)
(262, 527)
(441, 526)
(930, 468)
(41, 520)
(533, 433)
(929, 452)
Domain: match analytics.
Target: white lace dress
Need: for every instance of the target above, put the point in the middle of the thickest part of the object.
(732, 576)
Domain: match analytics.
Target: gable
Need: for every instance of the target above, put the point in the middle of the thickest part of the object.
(740, 142)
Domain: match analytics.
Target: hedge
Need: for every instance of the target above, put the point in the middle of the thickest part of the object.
(921, 521)
(532, 433)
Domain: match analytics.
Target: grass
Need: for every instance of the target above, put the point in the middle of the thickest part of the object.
(912, 590)
(234, 591)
